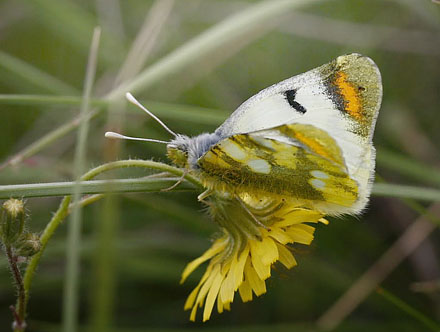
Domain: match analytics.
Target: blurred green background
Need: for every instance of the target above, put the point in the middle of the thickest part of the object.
(134, 246)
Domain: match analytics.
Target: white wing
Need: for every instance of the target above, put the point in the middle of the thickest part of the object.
(342, 98)
(312, 92)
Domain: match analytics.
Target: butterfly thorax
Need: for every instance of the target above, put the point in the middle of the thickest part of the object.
(184, 151)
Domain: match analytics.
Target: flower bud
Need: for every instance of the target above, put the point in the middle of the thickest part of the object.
(12, 221)
(28, 245)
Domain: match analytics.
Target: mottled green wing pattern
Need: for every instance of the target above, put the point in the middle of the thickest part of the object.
(295, 161)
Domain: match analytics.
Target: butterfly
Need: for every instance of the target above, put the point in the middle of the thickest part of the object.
(307, 139)
(293, 153)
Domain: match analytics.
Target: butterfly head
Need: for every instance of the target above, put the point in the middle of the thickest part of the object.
(177, 151)
(184, 151)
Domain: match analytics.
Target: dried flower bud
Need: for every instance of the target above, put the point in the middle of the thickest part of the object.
(28, 245)
(12, 221)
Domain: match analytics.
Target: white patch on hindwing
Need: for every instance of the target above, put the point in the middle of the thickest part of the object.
(259, 166)
(319, 174)
(316, 183)
(233, 150)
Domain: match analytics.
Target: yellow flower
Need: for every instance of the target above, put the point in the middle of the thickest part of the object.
(256, 234)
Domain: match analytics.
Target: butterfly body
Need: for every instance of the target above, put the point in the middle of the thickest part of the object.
(305, 140)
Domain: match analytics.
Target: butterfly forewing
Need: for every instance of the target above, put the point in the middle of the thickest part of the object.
(349, 87)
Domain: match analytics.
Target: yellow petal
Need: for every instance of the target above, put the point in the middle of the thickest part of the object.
(212, 294)
(216, 247)
(192, 317)
(227, 288)
(263, 270)
(220, 305)
(239, 268)
(257, 284)
(207, 286)
(245, 291)
(279, 235)
(265, 249)
(189, 303)
(191, 298)
(286, 257)
(301, 233)
(298, 216)
(324, 221)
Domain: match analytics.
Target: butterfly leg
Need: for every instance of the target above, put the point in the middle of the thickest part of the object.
(185, 172)
(243, 205)
(204, 194)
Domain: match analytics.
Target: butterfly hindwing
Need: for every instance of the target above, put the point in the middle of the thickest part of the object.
(293, 161)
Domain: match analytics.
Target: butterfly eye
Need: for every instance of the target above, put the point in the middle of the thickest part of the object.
(178, 154)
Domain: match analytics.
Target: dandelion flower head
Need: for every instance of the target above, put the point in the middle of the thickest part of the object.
(255, 235)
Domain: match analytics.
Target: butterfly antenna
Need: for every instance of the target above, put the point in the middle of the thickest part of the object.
(111, 134)
(134, 101)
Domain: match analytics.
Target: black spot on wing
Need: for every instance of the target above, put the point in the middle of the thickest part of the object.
(290, 97)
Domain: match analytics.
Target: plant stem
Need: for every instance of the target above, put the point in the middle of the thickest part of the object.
(19, 315)
(44, 239)
(63, 211)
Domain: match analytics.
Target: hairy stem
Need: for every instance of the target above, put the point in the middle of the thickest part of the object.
(19, 311)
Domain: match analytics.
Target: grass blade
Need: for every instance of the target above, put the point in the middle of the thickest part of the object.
(417, 315)
(70, 299)
(35, 76)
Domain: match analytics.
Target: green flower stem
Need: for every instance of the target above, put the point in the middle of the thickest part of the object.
(155, 184)
(87, 201)
(48, 232)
